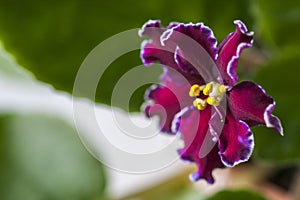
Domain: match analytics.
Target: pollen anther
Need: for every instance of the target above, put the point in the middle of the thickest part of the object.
(200, 104)
(222, 89)
(211, 101)
(195, 90)
(207, 88)
(215, 92)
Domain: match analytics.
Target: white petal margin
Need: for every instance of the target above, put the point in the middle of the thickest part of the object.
(268, 117)
(177, 119)
(243, 28)
(177, 56)
(149, 22)
(241, 46)
(167, 34)
(144, 43)
(251, 147)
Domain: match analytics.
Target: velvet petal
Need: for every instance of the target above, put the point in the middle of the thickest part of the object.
(236, 141)
(195, 51)
(165, 101)
(199, 147)
(152, 50)
(230, 50)
(250, 103)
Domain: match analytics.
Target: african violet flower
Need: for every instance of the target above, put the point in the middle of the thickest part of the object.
(189, 103)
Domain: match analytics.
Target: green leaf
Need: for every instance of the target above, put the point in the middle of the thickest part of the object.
(221, 14)
(43, 158)
(9, 68)
(52, 38)
(175, 188)
(280, 79)
(278, 22)
(238, 194)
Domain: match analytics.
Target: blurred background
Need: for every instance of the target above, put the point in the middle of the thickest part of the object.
(43, 44)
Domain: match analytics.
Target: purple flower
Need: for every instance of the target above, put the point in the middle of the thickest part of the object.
(199, 96)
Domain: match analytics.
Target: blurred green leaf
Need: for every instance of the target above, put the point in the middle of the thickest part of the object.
(219, 15)
(52, 38)
(280, 78)
(175, 188)
(9, 68)
(184, 192)
(238, 194)
(278, 22)
(42, 158)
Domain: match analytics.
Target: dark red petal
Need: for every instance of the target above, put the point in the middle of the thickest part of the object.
(147, 30)
(196, 32)
(183, 63)
(195, 48)
(154, 34)
(152, 50)
(199, 147)
(250, 103)
(165, 101)
(236, 141)
(230, 50)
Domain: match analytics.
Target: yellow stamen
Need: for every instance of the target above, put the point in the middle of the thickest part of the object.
(212, 101)
(207, 88)
(195, 91)
(222, 89)
(200, 104)
(215, 92)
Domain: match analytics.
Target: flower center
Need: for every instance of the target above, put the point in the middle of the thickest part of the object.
(214, 92)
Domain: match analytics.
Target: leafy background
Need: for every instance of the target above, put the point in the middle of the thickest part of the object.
(50, 39)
